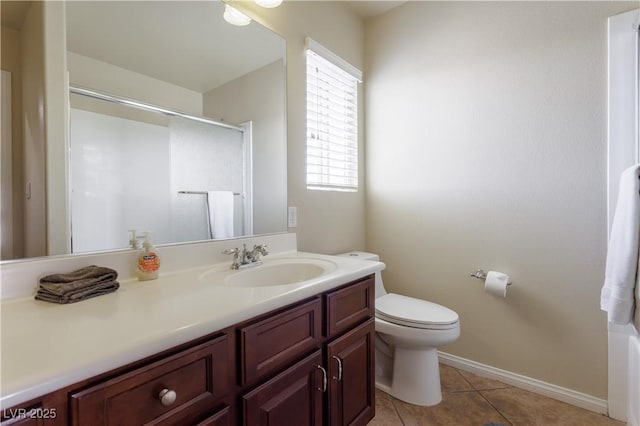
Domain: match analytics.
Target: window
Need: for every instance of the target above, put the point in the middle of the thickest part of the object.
(332, 121)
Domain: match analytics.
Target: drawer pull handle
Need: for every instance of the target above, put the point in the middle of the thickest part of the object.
(324, 379)
(167, 397)
(339, 368)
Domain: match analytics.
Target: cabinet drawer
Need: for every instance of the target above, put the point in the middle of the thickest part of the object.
(198, 376)
(274, 342)
(220, 418)
(349, 306)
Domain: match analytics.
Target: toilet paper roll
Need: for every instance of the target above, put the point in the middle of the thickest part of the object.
(496, 283)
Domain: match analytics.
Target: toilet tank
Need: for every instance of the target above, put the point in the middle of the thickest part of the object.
(363, 255)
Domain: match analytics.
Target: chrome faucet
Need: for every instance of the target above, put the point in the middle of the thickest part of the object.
(253, 256)
(247, 258)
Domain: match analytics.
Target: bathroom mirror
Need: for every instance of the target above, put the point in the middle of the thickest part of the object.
(180, 56)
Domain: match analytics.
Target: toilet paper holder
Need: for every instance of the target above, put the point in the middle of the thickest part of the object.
(482, 275)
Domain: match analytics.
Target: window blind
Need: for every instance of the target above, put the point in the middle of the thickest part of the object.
(332, 125)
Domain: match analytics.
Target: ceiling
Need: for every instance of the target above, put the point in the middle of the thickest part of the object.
(13, 11)
(186, 43)
(141, 35)
(367, 9)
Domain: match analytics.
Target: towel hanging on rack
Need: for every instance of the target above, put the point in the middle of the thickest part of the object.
(220, 209)
(201, 192)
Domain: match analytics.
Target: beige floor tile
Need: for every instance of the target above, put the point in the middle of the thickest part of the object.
(469, 399)
(452, 381)
(482, 383)
(386, 414)
(524, 408)
(456, 409)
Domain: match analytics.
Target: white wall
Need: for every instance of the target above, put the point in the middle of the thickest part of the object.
(121, 178)
(203, 158)
(126, 175)
(117, 81)
(6, 174)
(257, 97)
(56, 118)
(486, 148)
(33, 98)
(11, 62)
(328, 222)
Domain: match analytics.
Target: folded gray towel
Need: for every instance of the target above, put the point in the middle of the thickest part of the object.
(78, 285)
(91, 274)
(79, 294)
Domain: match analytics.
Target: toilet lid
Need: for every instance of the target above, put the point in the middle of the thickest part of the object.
(414, 312)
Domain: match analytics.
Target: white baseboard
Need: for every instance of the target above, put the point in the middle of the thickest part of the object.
(569, 396)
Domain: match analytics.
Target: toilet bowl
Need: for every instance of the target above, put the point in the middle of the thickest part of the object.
(408, 333)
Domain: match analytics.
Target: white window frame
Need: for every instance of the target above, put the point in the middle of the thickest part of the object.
(332, 141)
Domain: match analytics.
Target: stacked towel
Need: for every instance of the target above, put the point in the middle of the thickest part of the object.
(78, 285)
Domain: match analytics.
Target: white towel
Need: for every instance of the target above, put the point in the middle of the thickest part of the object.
(220, 206)
(617, 296)
(636, 320)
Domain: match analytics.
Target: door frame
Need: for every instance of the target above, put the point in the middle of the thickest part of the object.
(623, 151)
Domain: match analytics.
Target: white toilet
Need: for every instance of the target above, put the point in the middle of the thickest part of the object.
(408, 333)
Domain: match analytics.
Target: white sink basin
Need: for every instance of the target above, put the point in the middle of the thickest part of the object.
(280, 272)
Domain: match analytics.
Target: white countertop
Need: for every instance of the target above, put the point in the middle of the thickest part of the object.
(47, 346)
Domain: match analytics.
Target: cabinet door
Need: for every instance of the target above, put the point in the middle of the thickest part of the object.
(292, 398)
(351, 362)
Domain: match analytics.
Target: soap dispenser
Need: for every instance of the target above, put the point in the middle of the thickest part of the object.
(148, 260)
(133, 240)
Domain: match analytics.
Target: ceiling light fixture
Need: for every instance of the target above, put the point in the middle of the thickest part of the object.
(235, 17)
(269, 3)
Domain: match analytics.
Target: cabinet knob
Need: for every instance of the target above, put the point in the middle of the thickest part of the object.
(167, 397)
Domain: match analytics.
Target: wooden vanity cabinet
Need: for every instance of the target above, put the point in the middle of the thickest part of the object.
(24, 416)
(221, 418)
(351, 369)
(279, 339)
(293, 397)
(334, 385)
(26, 420)
(310, 363)
(349, 306)
(177, 389)
(48, 410)
(350, 353)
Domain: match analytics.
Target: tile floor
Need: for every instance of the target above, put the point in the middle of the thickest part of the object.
(471, 400)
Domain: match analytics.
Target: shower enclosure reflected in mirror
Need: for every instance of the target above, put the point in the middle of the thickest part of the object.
(177, 55)
(163, 162)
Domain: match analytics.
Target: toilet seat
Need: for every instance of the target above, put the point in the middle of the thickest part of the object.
(417, 313)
